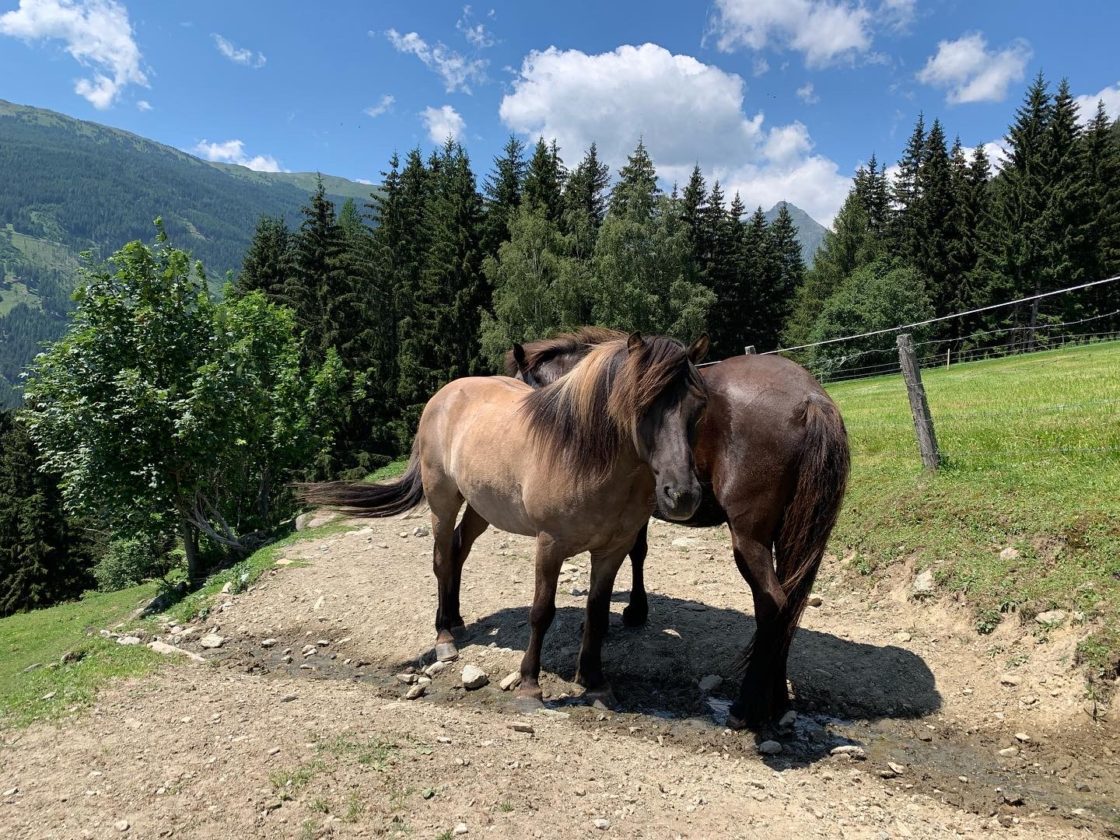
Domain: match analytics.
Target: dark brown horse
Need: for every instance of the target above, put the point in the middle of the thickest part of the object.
(772, 458)
(579, 464)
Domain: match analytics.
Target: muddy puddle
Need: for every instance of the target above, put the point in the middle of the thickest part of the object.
(1074, 776)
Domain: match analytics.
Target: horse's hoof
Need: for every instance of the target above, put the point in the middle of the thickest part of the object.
(602, 699)
(446, 652)
(633, 617)
(527, 704)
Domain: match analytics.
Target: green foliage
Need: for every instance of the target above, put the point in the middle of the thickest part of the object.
(876, 296)
(131, 560)
(161, 409)
(44, 554)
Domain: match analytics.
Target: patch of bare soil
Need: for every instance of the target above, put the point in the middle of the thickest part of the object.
(310, 734)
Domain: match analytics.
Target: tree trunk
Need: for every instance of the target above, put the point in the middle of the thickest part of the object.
(195, 572)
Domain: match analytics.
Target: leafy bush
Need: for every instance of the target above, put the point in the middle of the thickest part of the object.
(132, 560)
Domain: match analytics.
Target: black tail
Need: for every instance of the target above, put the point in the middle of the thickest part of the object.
(365, 499)
(810, 518)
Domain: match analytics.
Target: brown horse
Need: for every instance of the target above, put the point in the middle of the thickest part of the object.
(772, 456)
(580, 465)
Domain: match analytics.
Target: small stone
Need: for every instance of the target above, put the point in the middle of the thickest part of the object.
(578, 591)
(323, 642)
(423, 531)
(436, 668)
(121, 826)
(1009, 554)
(274, 751)
(923, 583)
(267, 643)
(1010, 680)
(522, 727)
(474, 677)
(424, 681)
(407, 679)
(1022, 737)
(685, 542)
(212, 640)
(902, 637)
(128, 640)
(403, 535)
(170, 650)
(11, 791)
(788, 720)
(852, 751)
(308, 650)
(1051, 618)
(227, 587)
(711, 682)
(815, 600)
(287, 698)
(769, 748)
(460, 828)
(510, 681)
(602, 824)
(415, 692)
(1008, 752)
(897, 768)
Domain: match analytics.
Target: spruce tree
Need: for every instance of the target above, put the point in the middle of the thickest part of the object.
(636, 192)
(544, 180)
(698, 221)
(931, 221)
(502, 194)
(1101, 159)
(906, 191)
(763, 317)
(267, 266)
(585, 203)
(790, 272)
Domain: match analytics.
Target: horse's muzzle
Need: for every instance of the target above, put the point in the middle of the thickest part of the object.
(678, 503)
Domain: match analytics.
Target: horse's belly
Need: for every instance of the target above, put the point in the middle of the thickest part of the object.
(501, 511)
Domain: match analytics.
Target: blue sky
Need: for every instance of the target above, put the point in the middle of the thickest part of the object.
(778, 99)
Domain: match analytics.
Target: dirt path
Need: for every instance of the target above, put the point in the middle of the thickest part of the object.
(255, 745)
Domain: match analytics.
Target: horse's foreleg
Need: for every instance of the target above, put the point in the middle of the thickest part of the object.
(604, 567)
(637, 611)
(758, 702)
(445, 507)
(550, 556)
(468, 530)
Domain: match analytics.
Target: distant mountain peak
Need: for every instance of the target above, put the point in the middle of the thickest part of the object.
(810, 232)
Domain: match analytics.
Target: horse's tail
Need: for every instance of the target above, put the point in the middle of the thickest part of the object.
(822, 476)
(366, 499)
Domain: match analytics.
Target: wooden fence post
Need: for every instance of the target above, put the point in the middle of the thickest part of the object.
(923, 421)
(750, 351)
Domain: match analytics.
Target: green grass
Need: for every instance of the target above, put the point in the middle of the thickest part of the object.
(40, 638)
(1032, 461)
(390, 470)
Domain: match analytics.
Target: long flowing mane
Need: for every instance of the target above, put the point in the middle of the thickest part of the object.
(575, 344)
(584, 417)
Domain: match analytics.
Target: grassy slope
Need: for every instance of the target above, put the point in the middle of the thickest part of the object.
(1033, 450)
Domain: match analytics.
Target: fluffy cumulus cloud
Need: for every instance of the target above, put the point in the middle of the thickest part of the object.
(443, 123)
(233, 151)
(382, 106)
(96, 33)
(1110, 96)
(825, 31)
(457, 71)
(684, 110)
(970, 72)
(238, 55)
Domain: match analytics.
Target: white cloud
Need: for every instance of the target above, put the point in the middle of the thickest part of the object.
(760, 67)
(238, 55)
(233, 151)
(383, 105)
(898, 14)
(143, 105)
(972, 73)
(825, 31)
(807, 95)
(996, 152)
(98, 35)
(443, 123)
(1110, 96)
(456, 70)
(476, 34)
(685, 110)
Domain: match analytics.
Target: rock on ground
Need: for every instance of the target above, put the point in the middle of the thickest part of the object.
(474, 677)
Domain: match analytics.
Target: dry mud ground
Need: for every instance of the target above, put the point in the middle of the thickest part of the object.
(250, 745)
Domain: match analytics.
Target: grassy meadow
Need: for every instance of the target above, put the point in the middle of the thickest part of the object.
(1032, 461)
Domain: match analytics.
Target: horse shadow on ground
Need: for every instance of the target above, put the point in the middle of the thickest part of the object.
(655, 669)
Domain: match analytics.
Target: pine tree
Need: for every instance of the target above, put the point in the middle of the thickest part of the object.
(971, 224)
(502, 194)
(931, 221)
(906, 191)
(762, 319)
(268, 262)
(585, 203)
(790, 272)
(1101, 158)
(544, 180)
(44, 558)
(694, 209)
(636, 192)
(875, 196)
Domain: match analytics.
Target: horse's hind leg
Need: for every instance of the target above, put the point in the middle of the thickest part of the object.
(550, 556)
(468, 530)
(758, 700)
(604, 567)
(637, 611)
(445, 503)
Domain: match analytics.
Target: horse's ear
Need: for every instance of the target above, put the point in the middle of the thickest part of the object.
(699, 349)
(519, 357)
(634, 342)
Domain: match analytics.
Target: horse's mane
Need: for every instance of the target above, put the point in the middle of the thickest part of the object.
(583, 418)
(576, 343)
